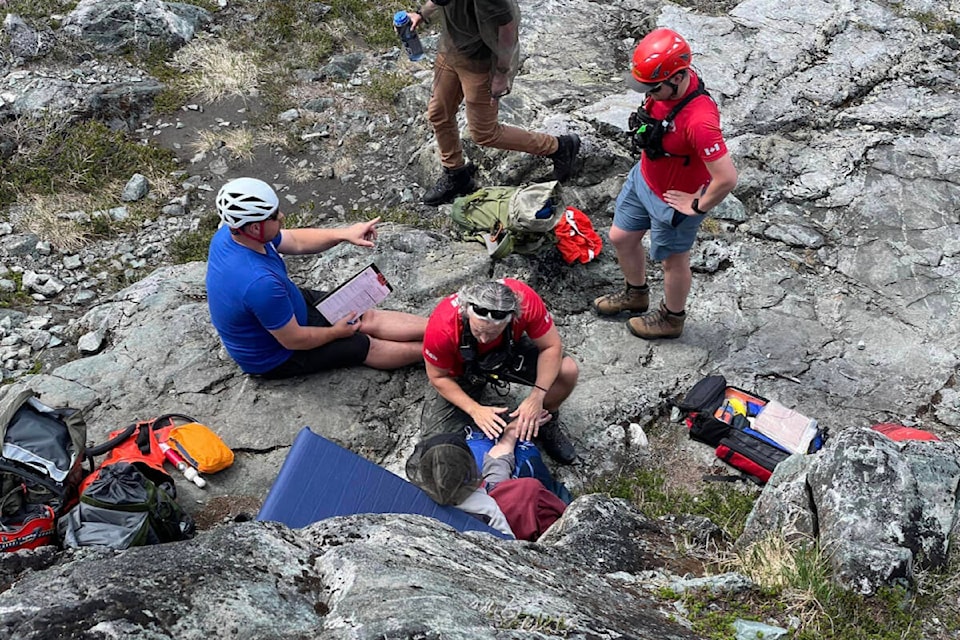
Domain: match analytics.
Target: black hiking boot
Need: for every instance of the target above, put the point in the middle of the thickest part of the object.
(565, 157)
(453, 183)
(555, 443)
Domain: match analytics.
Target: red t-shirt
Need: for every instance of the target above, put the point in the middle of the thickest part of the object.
(441, 341)
(695, 133)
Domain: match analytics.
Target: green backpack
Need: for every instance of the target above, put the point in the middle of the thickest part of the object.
(510, 219)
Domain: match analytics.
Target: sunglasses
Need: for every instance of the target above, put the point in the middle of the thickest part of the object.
(274, 216)
(653, 88)
(490, 314)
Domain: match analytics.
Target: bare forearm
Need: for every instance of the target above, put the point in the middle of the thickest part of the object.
(548, 368)
(307, 241)
(723, 178)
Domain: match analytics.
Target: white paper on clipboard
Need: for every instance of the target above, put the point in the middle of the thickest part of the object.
(363, 291)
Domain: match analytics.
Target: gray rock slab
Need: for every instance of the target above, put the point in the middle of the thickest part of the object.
(359, 576)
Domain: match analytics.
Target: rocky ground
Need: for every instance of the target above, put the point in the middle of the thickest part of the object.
(827, 281)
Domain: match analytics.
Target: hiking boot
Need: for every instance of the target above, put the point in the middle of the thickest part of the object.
(631, 298)
(657, 324)
(554, 443)
(565, 157)
(452, 183)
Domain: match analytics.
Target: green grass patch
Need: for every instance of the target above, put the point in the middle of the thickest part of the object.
(396, 215)
(18, 297)
(385, 86)
(373, 21)
(724, 504)
(932, 22)
(297, 35)
(192, 246)
(798, 578)
(209, 5)
(82, 157)
(155, 60)
(39, 10)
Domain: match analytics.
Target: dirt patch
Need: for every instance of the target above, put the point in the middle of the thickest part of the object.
(223, 509)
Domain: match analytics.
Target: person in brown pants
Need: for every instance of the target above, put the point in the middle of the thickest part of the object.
(478, 58)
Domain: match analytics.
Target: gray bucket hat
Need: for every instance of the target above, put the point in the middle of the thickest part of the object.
(444, 467)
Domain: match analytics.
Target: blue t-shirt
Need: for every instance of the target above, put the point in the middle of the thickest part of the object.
(249, 293)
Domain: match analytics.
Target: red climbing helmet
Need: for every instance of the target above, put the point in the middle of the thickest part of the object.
(662, 53)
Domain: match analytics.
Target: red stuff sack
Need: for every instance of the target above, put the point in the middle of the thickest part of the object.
(750, 455)
(576, 239)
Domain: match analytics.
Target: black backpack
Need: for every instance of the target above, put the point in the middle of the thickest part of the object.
(130, 500)
(124, 508)
(40, 467)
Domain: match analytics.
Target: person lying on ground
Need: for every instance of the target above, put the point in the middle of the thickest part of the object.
(500, 332)
(444, 467)
(268, 324)
(522, 456)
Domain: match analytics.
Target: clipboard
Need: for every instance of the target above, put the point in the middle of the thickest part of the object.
(365, 290)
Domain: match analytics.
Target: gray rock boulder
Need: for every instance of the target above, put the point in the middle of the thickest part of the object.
(117, 26)
(25, 42)
(879, 509)
(356, 577)
(136, 188)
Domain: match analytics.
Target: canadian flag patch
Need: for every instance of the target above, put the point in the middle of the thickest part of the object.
(709, 151)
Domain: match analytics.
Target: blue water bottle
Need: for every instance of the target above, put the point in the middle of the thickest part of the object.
(409, 37)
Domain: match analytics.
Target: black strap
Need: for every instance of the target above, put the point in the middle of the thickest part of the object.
(143, 435)
(701, 90)
(470, 348)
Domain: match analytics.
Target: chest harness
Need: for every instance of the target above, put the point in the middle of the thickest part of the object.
(493, 366)
(646, 132)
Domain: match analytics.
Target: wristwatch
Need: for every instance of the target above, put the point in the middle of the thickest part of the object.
(696, 207)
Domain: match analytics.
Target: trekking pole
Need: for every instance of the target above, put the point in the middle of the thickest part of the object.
(176, 460)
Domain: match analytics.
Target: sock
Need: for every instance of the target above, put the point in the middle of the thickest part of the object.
(643, 288)
(679, 314)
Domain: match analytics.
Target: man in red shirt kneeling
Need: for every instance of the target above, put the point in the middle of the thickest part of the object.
(497, 332)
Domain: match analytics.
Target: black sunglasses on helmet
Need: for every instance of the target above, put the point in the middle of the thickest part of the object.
(492, 314)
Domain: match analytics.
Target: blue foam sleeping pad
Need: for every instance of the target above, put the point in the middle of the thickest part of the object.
(320, 479)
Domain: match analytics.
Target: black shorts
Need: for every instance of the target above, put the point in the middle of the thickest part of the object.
(345, 352)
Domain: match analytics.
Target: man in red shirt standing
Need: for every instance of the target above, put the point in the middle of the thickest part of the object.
(496, 332)
(671, 189)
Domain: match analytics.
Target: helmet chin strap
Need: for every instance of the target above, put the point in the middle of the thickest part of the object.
(261, 237)
(675, 87)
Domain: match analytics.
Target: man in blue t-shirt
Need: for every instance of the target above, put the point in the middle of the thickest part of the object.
(267, 324)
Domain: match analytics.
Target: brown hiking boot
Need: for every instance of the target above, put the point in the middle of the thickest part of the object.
(657, 324)
(631, 298)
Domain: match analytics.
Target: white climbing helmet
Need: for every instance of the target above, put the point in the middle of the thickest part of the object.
(246, 200)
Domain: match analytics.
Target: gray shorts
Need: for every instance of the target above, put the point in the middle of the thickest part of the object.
(441, 416)
(639, 209)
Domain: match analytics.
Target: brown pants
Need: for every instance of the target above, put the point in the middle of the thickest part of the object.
(456, 80)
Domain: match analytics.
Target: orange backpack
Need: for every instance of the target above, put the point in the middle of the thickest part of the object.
(138, 444)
